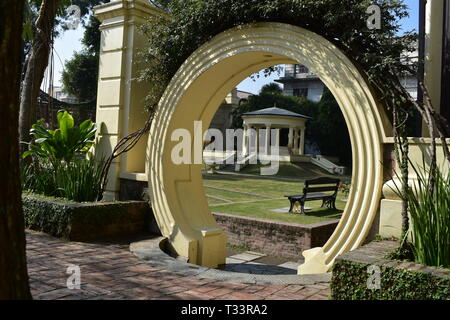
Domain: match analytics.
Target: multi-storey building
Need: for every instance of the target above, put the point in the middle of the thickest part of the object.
(300, 81)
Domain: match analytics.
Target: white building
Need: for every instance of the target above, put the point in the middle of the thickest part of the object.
(299, 81)
(60, 95)
(223, 118)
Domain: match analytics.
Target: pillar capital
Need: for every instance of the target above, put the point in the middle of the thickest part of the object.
(129, 8)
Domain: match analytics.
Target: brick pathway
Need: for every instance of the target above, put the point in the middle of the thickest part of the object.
(112, 272)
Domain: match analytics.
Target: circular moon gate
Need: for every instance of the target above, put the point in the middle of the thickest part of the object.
(194, 94)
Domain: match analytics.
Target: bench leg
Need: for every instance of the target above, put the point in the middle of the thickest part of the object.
(302, 206)
(292, 205)
(333, 204)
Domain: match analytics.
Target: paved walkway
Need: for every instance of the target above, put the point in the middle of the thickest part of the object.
(113, 272)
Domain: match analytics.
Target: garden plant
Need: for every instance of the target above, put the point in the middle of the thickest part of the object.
(61, 164)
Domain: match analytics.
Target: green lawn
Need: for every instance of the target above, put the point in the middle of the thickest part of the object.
(291, 170)
(256, 197)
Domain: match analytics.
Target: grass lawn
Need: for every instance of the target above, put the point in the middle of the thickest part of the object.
(291, 170)
(256, 197)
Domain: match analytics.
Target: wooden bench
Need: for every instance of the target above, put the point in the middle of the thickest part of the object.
(314, 190)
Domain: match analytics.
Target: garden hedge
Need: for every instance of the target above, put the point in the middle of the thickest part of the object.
(85, 221)
(399, 280)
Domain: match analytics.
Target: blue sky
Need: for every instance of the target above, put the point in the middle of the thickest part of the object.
(71, 41)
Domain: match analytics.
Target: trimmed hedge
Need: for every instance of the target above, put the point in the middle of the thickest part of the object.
(399, 280)
(85, 221)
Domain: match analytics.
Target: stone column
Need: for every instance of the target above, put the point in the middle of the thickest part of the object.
(434, 27)
(296, 138)
(302, 142)
(267, 140)
(120, 99)
(256, 132)
(277, 138)
(245, 144)
(291, 137)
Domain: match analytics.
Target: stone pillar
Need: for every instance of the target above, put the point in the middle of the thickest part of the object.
(434, 27)
(257, 138)
(296, 138)
(291, 137)
(245, 139)
(120, 99)
(277, 138)
(302, 141)
(267, 139)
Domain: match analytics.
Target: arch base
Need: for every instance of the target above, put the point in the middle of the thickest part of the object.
(315, 262)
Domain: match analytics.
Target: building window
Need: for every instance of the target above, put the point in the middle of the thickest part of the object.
(303, 92)
(300, 69)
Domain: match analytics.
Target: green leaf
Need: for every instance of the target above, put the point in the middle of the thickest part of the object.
(27, 153)
(40, 140)
(66, 123)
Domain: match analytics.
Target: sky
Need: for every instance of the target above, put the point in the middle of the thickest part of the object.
(70, 42)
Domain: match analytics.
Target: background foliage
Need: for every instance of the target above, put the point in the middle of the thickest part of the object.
(172, 39)
(80, 75)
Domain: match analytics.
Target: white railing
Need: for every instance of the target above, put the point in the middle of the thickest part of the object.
(326, 164)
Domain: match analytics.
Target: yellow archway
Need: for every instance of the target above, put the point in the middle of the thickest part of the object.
(194, 94)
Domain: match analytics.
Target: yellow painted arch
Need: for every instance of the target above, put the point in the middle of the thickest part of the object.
(194, 94)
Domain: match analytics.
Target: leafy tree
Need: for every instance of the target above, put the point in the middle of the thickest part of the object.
(273, 88)
(343, 22)
(331, 130)
(13, 264)
(80, 75)
(37, 62)
(45, 16)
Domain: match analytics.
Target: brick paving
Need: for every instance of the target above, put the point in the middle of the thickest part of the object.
(112, 272)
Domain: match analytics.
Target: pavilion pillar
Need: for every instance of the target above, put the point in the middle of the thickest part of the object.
(302, 141)
(267, 140)
(296, 138)
(277, 138)
(245, 141)
(291, 137)
(256, 131)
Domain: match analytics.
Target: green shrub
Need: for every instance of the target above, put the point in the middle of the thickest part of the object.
(78, 180)
(85, 221)
(429, 208)
(349, 282)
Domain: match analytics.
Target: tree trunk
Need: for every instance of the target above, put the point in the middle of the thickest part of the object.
(13, 265)
(37, 63)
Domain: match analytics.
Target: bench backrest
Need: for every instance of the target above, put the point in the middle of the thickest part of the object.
(323, 185)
